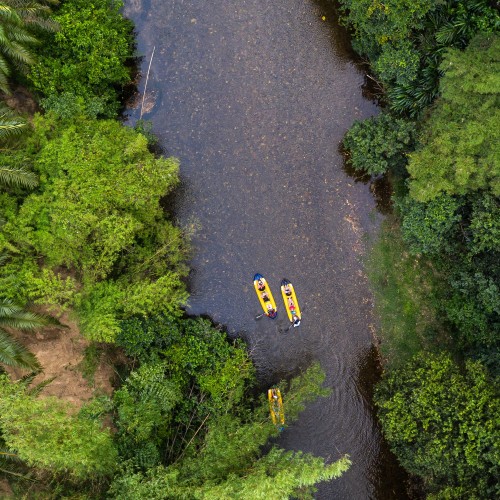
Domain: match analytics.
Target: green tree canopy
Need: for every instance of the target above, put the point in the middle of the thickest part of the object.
(97, 216)
(443, 425)
(41, 432)
(459, 142)
(83, 65)
(380, 144)
(225, 457)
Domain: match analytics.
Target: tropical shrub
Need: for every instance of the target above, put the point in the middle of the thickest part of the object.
(45, 436)
(96, 219)
(84, 65)
(380, 144)
(428, 227)
(442, 424)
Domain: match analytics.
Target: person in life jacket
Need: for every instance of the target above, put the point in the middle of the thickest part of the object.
(271, 312)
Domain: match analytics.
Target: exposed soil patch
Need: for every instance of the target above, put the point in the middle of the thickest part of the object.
(21, 101)
(61, 352)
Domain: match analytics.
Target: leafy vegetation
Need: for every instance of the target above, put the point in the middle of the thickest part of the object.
(42, 434)
(436, 286)
(379, 144)
(83, 67)
(97, 215)
(449, 437)
(21, 21)
(188, 426)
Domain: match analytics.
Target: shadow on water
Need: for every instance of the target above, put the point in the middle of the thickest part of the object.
(380, 186)
(391, 480)
(330, 13)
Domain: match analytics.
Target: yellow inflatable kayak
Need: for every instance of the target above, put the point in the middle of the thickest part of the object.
(291, 302)
(265, 296)
(276, 407)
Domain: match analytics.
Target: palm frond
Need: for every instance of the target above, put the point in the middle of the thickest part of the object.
(18, 177)
(4, 65)
(11, 464)
(4, 83)
(12, 353)
(14, 316)
(18, 54)
(10, 123)
(35, 391)
(18, 19)
(8, 14)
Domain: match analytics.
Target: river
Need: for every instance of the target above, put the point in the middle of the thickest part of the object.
(254, 98)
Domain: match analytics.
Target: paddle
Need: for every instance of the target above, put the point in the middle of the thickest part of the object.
(290, 325)
(263, 314)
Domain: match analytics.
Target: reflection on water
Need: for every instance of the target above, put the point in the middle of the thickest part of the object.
(254, 98)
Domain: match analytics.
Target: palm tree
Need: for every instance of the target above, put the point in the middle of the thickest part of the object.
(12, 353)
(18, 20)
(10, 123)
(18, 176)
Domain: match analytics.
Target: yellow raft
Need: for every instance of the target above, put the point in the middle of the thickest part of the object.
(265, 296)
(276, 407)
(291, 302)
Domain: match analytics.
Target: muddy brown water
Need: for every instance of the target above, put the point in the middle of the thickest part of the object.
(254, 98)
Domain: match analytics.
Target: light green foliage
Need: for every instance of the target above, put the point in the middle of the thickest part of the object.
(83, 64)
(229, 463)
(42, 434)
(442, 424)
(459, 151)
(379, 144)
(427, 227)
(405, 288)
(97, 213)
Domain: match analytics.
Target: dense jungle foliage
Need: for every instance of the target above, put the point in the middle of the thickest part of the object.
(437, 65)
(83, 230)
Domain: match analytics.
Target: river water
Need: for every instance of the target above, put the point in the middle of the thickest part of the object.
(254, 97)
